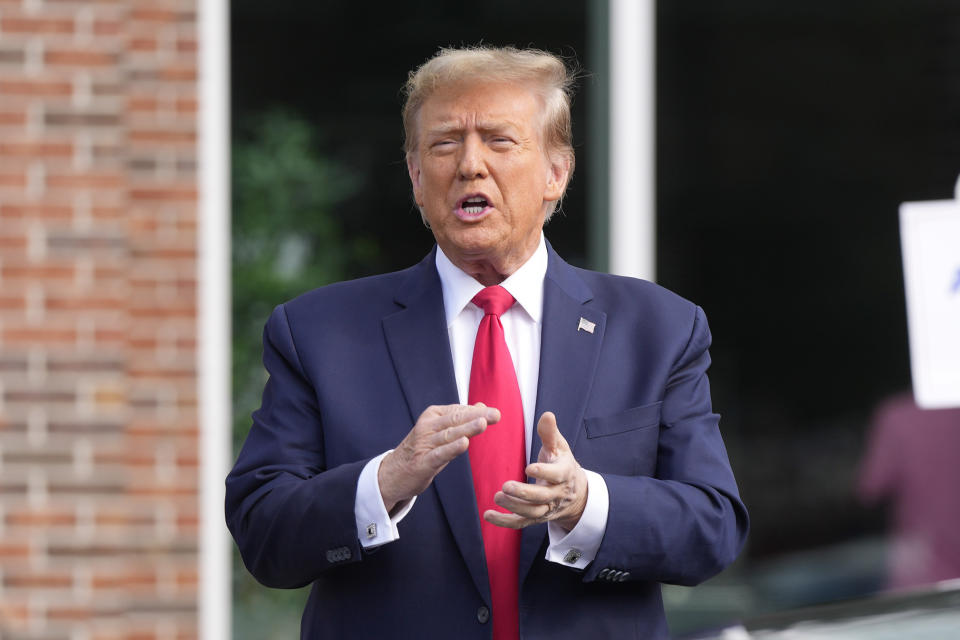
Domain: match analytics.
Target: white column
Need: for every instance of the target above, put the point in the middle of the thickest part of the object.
(632, 141)
(214, 317)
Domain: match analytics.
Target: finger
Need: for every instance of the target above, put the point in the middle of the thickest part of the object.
(440, 456)
(550, 434)
(549, 472)
(532, 493)
(506, 520)
(470, 429)
(458, 414)
(522, 508)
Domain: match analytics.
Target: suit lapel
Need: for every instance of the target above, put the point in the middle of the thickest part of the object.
(417, 339)
(568, 360)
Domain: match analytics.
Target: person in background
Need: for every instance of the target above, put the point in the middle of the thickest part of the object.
(911, 463)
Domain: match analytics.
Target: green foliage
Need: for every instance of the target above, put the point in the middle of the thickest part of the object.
(287, 239)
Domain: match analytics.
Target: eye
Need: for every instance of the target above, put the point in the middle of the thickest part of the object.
(442, 145)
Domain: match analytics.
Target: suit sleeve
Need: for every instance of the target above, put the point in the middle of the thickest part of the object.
(291, 516)
(687, 522)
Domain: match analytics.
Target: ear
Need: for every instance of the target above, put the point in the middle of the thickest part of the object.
(413, 168)
(557, 176)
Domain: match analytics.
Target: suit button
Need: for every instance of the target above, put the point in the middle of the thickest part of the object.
(615, 576)
(603, 573)
(483, 614)
(623, 576)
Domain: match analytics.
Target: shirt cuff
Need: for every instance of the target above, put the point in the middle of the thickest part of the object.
(375, 527)
(579, 547)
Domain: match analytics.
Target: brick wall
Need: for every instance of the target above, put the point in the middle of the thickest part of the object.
(98, 401)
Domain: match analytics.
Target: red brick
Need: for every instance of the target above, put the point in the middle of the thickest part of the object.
(163, 373)
(11, 118)
(40, 336)
(37, 580)
(142, 43)
(187, 105)
(154, 14)
(139, 580)
(104, 27)
(79, 58)
(188, 521)
(103, 272)
(85, 181)
(157, 491)
(13, 242)
(187, 45)
(41, 210)
(84, 303)
(40, 396)
(35, 88)
(14, 550)
(31, 25)
(10, 302)
(103, 212)
(164, 194)
(42, 271)
(162, 136)
(41, 518)
(179, 73)
(15, 615)
(165, 253)
(73, 118)
(142, 103)
(109, 336)
(35, 149)
(188, 578)
(140, 427)
(127, 518)
(18, 179)
(70, 614)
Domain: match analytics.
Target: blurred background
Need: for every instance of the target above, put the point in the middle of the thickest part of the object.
(787, 135)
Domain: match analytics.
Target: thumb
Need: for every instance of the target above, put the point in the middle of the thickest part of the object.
(550, 434)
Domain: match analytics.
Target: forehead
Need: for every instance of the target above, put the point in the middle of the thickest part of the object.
(481, 103)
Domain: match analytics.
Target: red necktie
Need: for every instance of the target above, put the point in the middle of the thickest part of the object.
(497, 455)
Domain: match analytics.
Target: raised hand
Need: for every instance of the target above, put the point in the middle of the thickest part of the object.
(560, 493)
(441, 434)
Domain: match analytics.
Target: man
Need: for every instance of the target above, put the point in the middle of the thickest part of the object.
(386, 463)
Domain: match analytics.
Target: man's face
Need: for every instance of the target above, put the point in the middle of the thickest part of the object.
(482, 177)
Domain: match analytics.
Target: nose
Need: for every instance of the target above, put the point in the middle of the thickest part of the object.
(472, 163)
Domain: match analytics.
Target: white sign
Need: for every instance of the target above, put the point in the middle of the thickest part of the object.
(930, 242)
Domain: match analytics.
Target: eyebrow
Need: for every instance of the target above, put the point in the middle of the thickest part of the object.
(486, 126)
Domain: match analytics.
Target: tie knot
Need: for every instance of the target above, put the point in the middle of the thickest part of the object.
(493, 300)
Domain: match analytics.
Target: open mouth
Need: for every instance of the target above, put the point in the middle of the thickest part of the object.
(474, 205)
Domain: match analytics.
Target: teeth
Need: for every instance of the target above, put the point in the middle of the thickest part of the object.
(474, 205)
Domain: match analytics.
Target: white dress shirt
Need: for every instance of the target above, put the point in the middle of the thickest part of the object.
(521, 328)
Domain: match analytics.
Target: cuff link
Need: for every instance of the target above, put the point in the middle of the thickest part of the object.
(572, 556)
(371, 530)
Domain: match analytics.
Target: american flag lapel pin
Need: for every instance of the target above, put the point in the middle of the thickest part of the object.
(586, 325)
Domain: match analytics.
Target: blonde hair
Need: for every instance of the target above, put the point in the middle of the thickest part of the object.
(545, 72)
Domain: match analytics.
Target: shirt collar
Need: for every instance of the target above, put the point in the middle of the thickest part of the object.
(525, 284)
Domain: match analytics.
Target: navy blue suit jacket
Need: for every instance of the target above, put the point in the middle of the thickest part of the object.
(354, 364)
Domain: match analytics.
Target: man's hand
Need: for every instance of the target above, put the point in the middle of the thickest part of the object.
(560, 493)
(440, 435)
